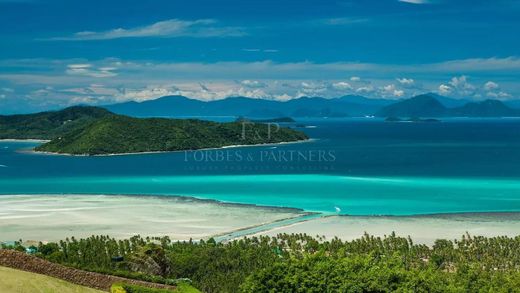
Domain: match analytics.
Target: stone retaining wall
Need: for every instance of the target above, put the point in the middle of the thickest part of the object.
(22, 261)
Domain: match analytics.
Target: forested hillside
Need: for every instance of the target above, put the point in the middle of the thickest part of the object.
(48, 125)
(301, 263)
(116, 134)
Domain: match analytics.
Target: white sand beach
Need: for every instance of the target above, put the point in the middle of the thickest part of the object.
(422, 229)
(24, 140)
(32, 151)
(54, 217)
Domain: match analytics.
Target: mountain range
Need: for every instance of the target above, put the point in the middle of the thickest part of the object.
(426, 105)
(172, 106)
(429, 106)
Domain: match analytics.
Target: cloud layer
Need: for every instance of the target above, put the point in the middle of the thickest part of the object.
(201, 28)
(415, 1)
(46, 83)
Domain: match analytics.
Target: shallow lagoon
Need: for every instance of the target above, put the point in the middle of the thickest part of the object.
(376, 168)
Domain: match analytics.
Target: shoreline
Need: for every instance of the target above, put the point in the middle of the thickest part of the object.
(34, 152)
(422, 230)
(243, 220)
(324, 214)
(24, 140)
(181, 198)
(53, 217)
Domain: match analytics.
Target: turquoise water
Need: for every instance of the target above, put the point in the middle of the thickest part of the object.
(366, 168)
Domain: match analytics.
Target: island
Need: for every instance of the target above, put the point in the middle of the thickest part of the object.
(95, 131)
(272, 120)
(49, 125)
(412, 119)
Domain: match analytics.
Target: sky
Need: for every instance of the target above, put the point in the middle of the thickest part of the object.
(58, 53)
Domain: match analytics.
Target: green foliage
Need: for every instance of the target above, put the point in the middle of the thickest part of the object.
(181, 287)
(122, 134)
(117, 288)
(139, 289)
(85, 130)
(49, 125)
(300, 263)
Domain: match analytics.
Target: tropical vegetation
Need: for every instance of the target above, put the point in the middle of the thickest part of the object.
(48, 125)
(85, 130)
(301, 263)
(117, 134)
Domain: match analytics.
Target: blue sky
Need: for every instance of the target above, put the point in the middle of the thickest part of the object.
(59, 53)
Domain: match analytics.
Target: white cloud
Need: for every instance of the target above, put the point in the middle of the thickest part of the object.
(475, 65)
(507, 67)
(459, 81)
(253, 83)
(342, 85)
(260, 50)
(498, 95)
(504, 95)
(444, 89)
(406, 81)
(365, 89)
(342, 21)
(112, 80)
(398, 93)
(202, 28)
(415, 1)
(89, 70)
(490, 85)
(312, 88)
(144, 94)
(461, 86)
(283, 97)
(391, 90)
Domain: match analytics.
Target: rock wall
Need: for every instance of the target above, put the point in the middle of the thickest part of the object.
(21, 261)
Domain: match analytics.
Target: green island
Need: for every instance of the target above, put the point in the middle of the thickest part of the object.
(48, 125)
(299, 263)
(96, 131)
(411, 119)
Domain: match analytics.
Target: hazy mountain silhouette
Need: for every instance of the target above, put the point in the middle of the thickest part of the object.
(428, 105)
(248, 107)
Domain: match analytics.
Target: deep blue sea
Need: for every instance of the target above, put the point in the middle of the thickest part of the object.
(354, 166)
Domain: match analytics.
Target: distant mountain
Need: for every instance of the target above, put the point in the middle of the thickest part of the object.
(360, 100)
(418, 106)
(515, 104)
(487, 108)
(449, 102)
(428, 105)
(48, 125)
(176, 106)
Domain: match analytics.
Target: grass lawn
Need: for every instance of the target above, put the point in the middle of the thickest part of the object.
(15, 281)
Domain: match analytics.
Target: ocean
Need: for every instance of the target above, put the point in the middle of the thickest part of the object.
(351, 166)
